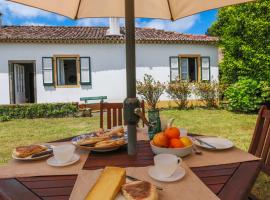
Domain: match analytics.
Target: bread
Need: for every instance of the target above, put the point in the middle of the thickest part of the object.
(110, 143)
(91, 140)
(25, 151)
(108, 184)
(139, 190)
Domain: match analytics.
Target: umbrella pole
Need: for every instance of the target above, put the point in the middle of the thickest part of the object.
(131, 102)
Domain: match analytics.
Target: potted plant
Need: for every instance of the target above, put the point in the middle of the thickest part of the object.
(150, 91)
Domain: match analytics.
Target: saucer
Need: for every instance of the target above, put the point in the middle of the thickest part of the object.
(53, 162)
(177, 175)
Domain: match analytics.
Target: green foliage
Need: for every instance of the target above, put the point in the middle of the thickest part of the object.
(4, 118)
(179, 91)
(245, 95)
(208, 92)
(150, 90)
(244, 32)
(38, 110)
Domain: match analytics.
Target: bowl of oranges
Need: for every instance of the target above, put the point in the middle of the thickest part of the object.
(170, 142)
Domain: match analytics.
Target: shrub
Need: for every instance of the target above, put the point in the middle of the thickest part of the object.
(244, 96)
(150, 90)
(38, 110)
(179, 91)
(208, 92)
(4, 118)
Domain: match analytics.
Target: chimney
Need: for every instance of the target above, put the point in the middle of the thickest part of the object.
(114, 27)
(1, 21)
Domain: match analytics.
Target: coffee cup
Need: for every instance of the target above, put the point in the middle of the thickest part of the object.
(166, 164)
(63, 153)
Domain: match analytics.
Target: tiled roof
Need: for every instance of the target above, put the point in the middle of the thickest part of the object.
(75, 34)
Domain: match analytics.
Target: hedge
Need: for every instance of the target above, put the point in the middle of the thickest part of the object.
(48, 110)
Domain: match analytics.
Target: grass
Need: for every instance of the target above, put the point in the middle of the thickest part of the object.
(237, 127)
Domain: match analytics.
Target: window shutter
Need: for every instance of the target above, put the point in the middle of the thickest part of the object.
(174, 68)
(205, 72)
(184, 69)
(47, 69)
(85, 71)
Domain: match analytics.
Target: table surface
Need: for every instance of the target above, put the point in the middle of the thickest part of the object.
(230, 181)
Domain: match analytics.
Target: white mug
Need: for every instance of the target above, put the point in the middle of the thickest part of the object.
(63, 153)
(166, 164)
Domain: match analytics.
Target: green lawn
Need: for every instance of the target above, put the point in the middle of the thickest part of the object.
(237, 127)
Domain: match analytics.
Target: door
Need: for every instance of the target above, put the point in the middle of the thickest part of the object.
(19, 84)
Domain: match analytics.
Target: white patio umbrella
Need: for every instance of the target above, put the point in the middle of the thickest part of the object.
(161, 9)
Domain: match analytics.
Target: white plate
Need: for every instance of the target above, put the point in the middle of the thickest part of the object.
(177, 175)
(53, 162)
(29, 158)
(219, 143)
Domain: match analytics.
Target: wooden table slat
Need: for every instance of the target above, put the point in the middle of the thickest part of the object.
(49, 184)
(215, 172)
(215, 180)
(47, 178)
(241, 182)
(215, 188)
(56, 198)
(11, 189)
(225, 166)
(46, 192)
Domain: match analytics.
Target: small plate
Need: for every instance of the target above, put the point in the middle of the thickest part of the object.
(53, 162)
(177, 175)
(29, 158)
(219, 143)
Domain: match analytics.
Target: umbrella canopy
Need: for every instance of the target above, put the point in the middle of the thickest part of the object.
(161, 9)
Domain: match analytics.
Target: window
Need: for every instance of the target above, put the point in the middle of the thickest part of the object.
(205, 73)
(66, 71)
(184, 67)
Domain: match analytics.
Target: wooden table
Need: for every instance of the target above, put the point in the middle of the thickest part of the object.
(228, 182)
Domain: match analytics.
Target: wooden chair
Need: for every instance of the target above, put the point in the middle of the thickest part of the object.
(114, 114)
(260, 144)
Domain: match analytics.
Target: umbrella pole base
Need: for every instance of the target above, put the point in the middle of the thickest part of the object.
(132, 139)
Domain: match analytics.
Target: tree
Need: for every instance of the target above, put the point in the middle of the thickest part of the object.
(244, 32)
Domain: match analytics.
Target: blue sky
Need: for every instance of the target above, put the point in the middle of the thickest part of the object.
(15, 14)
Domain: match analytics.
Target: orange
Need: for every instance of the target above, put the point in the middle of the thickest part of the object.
(176, 143)
(186, 141)
(161, 140)
(172, 132)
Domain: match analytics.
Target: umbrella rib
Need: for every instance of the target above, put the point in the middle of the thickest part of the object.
(170, 9)
(79, 5)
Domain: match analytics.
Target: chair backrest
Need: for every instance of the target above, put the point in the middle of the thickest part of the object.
(114, 114)
(260, 144)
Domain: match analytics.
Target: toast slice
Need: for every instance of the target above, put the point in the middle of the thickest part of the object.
(139, 190)
(108, 184)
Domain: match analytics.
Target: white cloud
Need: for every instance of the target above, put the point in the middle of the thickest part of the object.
(180, 25)
(93, 22)
(29, 23)
(97, 22)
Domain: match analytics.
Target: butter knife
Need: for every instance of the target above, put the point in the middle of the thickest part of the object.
(205, 143)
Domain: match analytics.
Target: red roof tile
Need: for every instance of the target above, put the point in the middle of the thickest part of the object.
(75, 34)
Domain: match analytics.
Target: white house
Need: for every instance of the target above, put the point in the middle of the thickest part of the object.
(61, 64)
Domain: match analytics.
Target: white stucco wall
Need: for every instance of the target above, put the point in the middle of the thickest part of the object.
(107, 63)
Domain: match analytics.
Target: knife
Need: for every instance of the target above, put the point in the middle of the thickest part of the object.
(135, 179)
(205, 143)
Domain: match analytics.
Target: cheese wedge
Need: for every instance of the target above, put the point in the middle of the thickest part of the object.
(108, 184)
